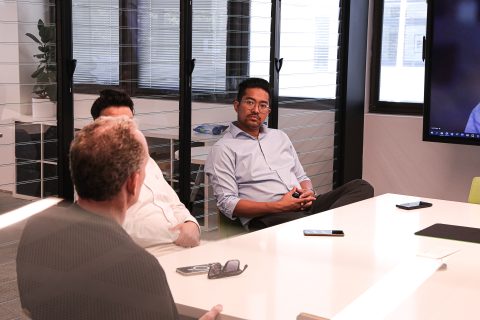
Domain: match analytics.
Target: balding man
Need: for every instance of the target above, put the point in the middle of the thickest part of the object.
(77, 262)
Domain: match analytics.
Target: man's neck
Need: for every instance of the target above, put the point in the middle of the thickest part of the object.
(254, 132)
(110, 209)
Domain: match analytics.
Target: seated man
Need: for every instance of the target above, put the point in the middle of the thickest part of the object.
(473, 123)
(255, 171)
(76, 262)
(158, 217)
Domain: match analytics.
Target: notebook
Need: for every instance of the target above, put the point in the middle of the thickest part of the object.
(451, 232)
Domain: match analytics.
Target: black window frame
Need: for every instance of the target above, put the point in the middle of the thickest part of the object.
(238, 39)
(375, 104)
(237, 50)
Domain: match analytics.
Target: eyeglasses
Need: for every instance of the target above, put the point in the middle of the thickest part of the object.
(231, 268)
(263, 107)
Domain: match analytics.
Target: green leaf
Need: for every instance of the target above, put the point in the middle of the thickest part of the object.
(43, 78)
(37, 72)
(31, 36)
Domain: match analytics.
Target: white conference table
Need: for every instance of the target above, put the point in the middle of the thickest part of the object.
(289, 273)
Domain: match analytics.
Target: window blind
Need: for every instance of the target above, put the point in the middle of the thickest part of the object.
(96, 41)
(404, 25)
(158, 38)
(308, 46)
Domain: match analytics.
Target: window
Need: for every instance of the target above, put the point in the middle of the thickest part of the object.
(137, 47)
(96, 41)
(397, 78)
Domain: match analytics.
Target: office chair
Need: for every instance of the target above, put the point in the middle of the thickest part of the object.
(474, 196)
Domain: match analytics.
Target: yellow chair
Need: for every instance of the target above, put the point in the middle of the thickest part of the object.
(474, 196)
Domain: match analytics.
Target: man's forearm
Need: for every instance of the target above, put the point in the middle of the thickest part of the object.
(306, 185)
(252, 209)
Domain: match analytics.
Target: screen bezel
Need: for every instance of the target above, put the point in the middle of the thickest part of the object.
(428, 44)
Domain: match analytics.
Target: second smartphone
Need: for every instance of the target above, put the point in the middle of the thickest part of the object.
(328, 233)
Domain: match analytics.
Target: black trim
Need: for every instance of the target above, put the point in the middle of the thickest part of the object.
(63, 20)
(128, 52)
(351, 90)
(375, 105)
(185, 103)
(274, 62)
(238, 40)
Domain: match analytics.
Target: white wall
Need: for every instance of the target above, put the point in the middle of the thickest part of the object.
(396, 160)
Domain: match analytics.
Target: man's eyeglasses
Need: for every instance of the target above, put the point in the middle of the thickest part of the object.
(263, 107)
(231, 268)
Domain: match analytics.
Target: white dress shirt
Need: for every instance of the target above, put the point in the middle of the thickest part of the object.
(158, 208)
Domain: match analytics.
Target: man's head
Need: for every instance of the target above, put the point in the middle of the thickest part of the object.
(105, 155)
(112, 103)
(252, 104)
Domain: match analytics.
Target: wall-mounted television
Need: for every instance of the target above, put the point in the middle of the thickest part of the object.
(452, 72)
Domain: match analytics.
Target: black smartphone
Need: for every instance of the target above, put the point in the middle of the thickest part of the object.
(414, 205)
(193, 270)
(327, 233)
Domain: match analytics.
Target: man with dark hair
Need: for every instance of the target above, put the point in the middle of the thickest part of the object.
(255, 172)
(77, 262)
(158, 219)
(111, 97)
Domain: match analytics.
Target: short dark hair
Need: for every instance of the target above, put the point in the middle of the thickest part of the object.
(103, 155)
(253, 83)
(111, 98)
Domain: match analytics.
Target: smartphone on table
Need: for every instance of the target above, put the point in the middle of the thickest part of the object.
(414, 205)
(325, 233)
(196, 269)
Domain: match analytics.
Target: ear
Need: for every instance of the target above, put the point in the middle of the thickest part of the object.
(236, 104)
(132, 185)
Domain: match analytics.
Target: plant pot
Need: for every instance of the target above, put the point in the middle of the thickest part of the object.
(43, 109)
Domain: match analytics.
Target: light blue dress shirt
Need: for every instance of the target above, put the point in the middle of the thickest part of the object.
(473, 124)
(241, 166)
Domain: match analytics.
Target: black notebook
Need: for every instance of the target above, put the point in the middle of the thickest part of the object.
(451, 232)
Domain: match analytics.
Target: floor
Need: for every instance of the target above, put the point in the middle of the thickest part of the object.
(9, 237)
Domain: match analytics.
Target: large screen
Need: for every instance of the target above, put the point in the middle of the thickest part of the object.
(452, 78)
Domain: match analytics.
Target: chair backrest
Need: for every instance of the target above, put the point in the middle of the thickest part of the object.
(474, 196)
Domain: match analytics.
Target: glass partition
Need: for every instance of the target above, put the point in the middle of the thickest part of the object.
(307, 84)
(28, 95)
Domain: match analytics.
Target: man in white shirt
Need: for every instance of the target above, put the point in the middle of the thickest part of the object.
(158, 219)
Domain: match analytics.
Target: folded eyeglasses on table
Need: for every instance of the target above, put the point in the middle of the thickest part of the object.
(231, 268)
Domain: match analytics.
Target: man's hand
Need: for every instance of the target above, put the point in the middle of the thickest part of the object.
(306, 193)
(289, 203)
(213, 313)
(189, 234)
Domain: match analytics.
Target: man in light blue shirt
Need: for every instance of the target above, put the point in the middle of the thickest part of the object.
(255, 172)
(473, 124)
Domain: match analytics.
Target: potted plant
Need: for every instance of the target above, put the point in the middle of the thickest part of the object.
(45, 88)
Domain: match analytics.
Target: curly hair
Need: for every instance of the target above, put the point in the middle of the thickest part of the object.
(103, 155)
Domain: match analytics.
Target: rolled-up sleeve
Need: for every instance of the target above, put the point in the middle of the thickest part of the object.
(220, 168)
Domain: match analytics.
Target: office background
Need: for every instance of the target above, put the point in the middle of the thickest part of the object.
(394, 157)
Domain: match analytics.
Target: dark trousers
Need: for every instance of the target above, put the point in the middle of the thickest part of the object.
(350, 192)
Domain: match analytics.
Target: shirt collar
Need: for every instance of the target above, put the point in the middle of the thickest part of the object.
(236, 131)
